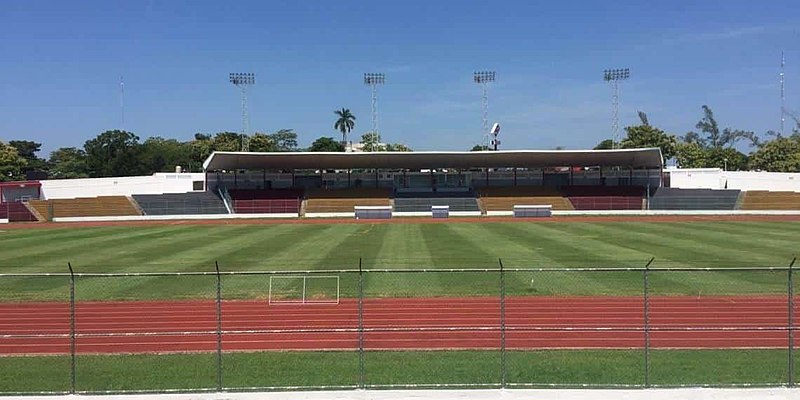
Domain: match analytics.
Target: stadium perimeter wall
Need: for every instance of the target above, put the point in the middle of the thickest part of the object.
(716, 178)
(159, 183)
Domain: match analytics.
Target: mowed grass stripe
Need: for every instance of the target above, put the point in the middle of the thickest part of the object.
(74, 248)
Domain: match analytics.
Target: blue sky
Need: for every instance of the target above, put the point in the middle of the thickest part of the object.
(62, 60)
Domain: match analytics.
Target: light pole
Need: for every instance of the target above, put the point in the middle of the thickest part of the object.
(243, 81)
(614, 76)
(373, 80)
(483, 78)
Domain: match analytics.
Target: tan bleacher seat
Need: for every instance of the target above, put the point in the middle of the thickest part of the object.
(504, 198)
(344, 200)
(766, 200)
(103, 206)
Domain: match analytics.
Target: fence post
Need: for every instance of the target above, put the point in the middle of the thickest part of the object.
(72, 333)
(219, 327)
(790, 291)
(361, 373)
(646, 295)
(502, 325)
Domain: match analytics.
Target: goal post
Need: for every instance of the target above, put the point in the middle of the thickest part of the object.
(304, 289)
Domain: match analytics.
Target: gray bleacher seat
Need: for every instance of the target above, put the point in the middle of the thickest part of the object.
(693, 199)
(422, 201)
(180, 203)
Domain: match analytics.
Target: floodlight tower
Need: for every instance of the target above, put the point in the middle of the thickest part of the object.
(483, 78)
(372, 80)
(243, 81)
(614, 76)
(783, 108)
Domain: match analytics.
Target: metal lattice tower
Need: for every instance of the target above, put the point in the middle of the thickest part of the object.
(483, 78)
(122, 102)
(243, 81)
(783, 99)
(373, 80)
(614, 76)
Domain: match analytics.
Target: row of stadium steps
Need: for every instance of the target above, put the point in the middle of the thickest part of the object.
(103, 206)
(16, 212)
(605, 197)
(271, 201)
(344, 200)
(504, 198)
(422, 201)
(766, 200)
(693, 199)
(180, 203)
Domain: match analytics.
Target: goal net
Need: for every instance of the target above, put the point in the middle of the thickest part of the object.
(304, 289)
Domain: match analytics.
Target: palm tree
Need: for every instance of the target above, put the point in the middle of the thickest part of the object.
(345, 123)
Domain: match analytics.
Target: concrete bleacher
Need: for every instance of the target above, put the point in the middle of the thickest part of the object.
(605, 197)
(769, 200)
(103, 206)
(16, 212)
(693, 199)
(267, 201)
(505, 198)
(422, 201)
(345, 200)
(193, 203)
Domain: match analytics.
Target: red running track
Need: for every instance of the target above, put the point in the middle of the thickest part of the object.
(440, 323)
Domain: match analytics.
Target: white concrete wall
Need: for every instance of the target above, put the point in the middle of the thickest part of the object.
(715, 178)
(159, 183)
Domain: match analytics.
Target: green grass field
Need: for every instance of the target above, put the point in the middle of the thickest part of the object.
(182, 248)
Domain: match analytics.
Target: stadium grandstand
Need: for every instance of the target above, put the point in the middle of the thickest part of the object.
(493, 183)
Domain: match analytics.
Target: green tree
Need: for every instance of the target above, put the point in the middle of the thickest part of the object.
(163, 155)
(398, 147)
(200, 148)
(607, 144)
(326, 144)
(27, 150)
(643, 136)
(714, 137)
(372, 142)
(345, 123)
(691, 155)
(227, 141)
(727, 158)
(262, 143)
(113, 153)
(285, 139)
(11, 164)
(68, 163)
(479, 147)
(779, 155)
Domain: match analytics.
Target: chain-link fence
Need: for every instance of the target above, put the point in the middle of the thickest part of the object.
(498, 326)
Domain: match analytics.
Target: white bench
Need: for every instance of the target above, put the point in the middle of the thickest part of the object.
(373, 212)
(527, 211)
(440, 211)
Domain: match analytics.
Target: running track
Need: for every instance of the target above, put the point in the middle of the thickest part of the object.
(446, 323)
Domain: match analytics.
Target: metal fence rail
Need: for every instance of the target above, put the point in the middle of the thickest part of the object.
(503, 327)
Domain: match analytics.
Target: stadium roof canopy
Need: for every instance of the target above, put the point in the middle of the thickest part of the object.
(633, 158)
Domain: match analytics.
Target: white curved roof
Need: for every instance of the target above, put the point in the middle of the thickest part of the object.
(635, 158)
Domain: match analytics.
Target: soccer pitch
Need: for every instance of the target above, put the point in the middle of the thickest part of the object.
(187, 248)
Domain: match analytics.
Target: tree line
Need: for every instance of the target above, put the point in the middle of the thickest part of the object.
(121, 153)
(713, 147)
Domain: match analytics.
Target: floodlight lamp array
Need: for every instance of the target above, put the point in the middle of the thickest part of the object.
(247, 78)
(616, 74)
(374, 78)
(483, 76)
